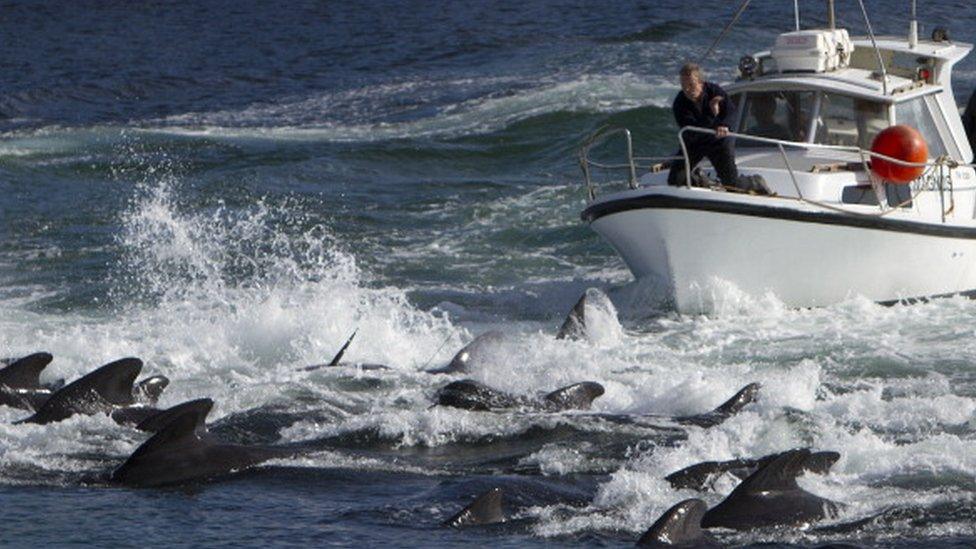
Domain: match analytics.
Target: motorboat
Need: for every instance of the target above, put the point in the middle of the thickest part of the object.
(832, 225)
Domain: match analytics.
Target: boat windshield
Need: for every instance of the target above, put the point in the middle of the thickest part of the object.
(914, 113)
(848, 121)
(776, 115)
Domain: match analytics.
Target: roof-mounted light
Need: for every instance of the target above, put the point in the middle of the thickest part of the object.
(748, 66)
(940, 34)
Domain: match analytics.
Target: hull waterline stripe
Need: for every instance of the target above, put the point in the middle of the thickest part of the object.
(596, 211)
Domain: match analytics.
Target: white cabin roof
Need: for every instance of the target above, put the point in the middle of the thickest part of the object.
(948, 51)
(862, 78)
(853, 82)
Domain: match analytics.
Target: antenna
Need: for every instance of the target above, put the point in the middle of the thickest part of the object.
(796, 13)
(913, 29)
(738, 13)
(830, 15)
(884, 72)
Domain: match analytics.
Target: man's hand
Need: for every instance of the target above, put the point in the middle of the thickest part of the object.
(716, 104)
(722, 131)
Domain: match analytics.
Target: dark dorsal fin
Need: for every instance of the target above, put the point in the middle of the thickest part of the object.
(98, 391)
(182, 429)
(199, 408)
(779, 475)
(335, 360)
(820, 462)
(678, 526)
(25, 373)
(485, 509)
(574, 327)
(732, 406)
(461, 363)
(579, 396)
(113, 382)
(151, 388)
(746, 395)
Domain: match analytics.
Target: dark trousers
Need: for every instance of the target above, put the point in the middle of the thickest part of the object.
(720, 153)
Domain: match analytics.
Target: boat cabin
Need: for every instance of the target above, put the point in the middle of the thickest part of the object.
(845, 99)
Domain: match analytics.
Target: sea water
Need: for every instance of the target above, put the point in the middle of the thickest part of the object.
(228, 190)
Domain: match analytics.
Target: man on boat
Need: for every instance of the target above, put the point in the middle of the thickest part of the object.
(705, 105)
(764, 113)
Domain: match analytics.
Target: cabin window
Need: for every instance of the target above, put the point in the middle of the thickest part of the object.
(896, 195)
(775, 115)
(848, 121)
(914, 113)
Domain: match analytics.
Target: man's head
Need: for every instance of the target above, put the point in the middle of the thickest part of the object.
(764, 109)
(692, 81)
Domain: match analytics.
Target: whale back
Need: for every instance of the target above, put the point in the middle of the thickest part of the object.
(463, 360)
(579, 396)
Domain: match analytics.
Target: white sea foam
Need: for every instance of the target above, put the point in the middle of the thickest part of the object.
(586, 93)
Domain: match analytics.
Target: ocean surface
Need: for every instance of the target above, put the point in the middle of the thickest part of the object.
(229, 189)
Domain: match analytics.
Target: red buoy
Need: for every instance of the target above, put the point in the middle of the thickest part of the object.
(904, 143)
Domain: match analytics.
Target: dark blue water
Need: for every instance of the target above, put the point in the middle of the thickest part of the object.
(228, 189)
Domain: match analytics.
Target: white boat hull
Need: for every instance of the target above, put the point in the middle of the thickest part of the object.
(804, 257)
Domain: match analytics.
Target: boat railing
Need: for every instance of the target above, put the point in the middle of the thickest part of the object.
(631, 166)
(941, 167)
(941, 163)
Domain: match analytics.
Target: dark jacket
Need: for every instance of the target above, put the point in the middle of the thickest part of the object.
(686, 113)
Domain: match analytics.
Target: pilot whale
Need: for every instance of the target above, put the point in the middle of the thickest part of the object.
(679, 526)
(469, 394)
(699, 475)
(729, 408)
(573, 328)
(771, 497)
(20, 384)
(108, 389)
(724, 411)
(182, 450)
(768, 497)
(464, 360)
(485, 509)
